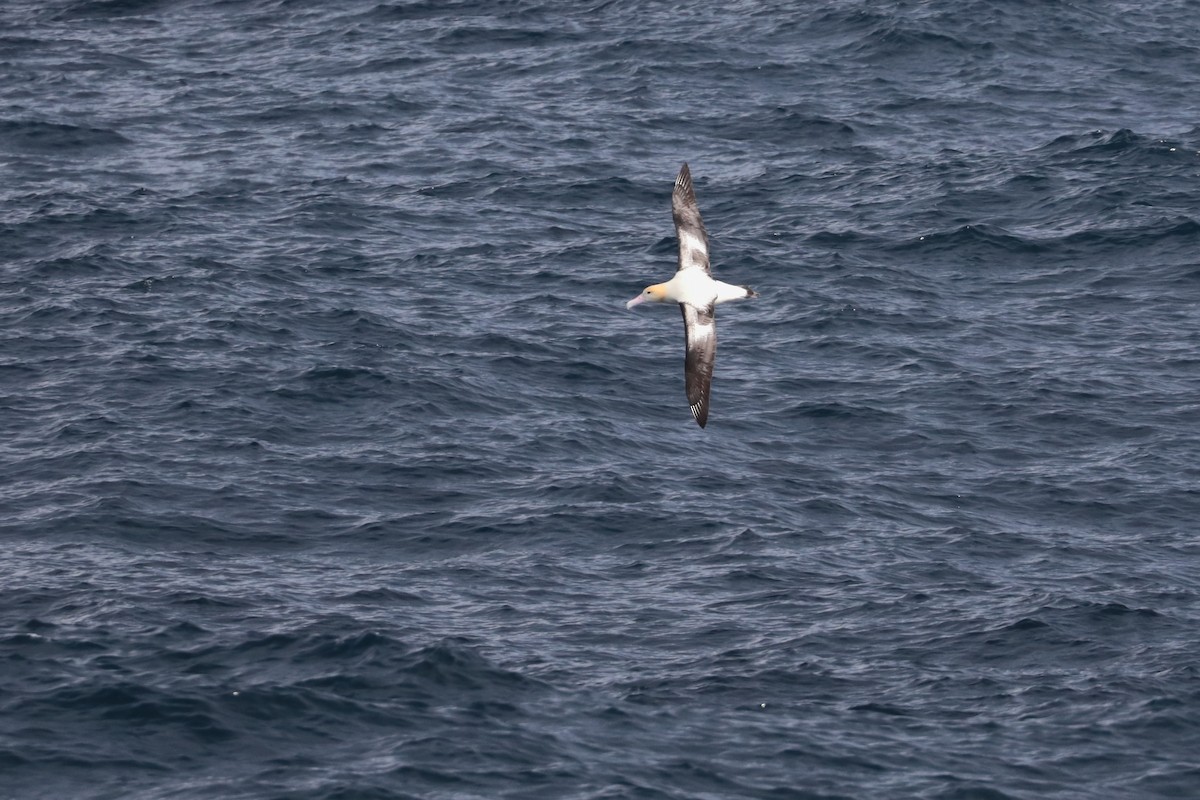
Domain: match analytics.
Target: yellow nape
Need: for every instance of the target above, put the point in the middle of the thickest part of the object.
(658, 291)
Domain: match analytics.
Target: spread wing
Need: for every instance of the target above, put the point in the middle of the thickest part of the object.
(701, 328)
(693, 239)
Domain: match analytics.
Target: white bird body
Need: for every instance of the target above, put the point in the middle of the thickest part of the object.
(698, 288)
(697, 294)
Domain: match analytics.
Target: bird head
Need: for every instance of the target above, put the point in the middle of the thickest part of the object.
(651, 294)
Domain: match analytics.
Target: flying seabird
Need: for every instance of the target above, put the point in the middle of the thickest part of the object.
(697, 294)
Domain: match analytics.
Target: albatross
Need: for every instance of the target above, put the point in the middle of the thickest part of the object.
(696, 292)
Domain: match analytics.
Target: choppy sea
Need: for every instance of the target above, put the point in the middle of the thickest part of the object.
(333, 467)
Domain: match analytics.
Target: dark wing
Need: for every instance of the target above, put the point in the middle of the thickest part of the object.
(701, 328)
(689, 228)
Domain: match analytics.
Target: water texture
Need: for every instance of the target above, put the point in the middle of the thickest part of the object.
(332, 465)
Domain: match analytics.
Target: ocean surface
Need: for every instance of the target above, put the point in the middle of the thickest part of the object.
(332, 465)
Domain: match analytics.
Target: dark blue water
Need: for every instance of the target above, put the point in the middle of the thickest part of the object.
(332, 465)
